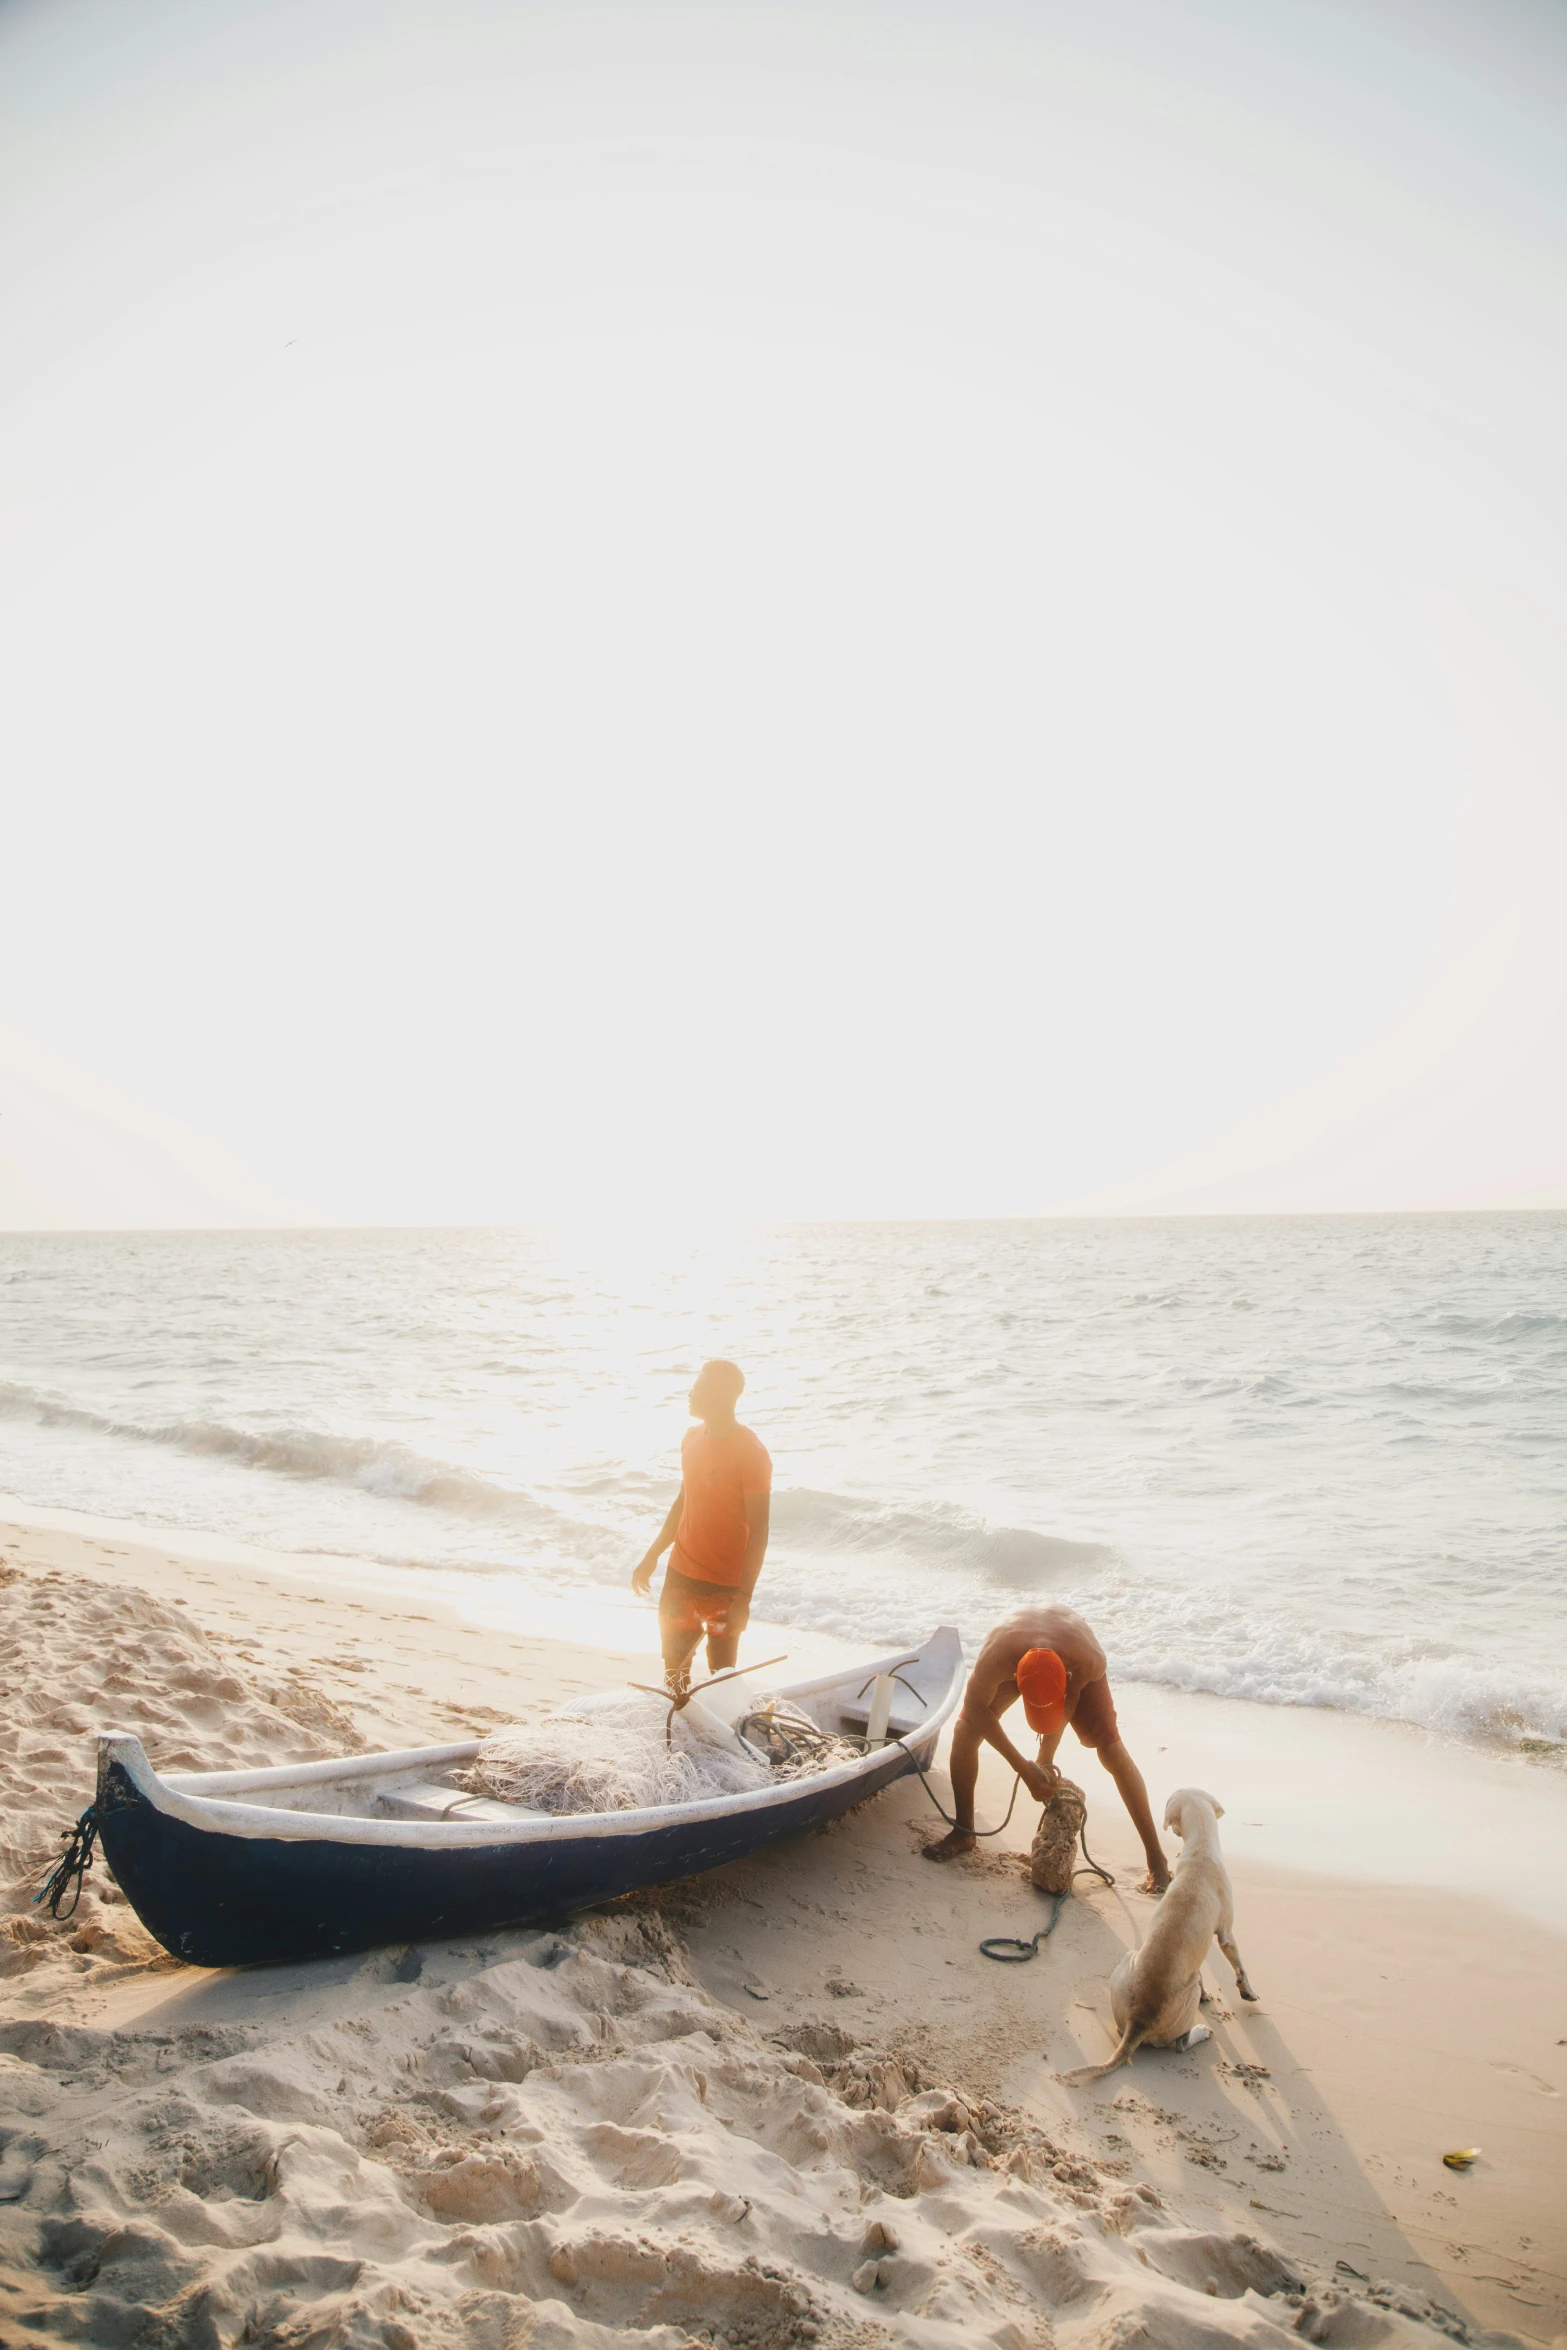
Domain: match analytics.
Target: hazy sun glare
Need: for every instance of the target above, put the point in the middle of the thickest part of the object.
(809, 611)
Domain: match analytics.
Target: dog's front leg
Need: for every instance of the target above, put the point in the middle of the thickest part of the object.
(1227, 1945)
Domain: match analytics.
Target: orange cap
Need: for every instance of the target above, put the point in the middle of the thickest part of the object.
(1041, 1684)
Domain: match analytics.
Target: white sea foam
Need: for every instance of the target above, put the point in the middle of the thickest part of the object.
(375, 1466)
(1302, 1462)
(1273, 1658)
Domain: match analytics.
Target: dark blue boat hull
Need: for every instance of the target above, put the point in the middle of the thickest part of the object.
(219, 1900)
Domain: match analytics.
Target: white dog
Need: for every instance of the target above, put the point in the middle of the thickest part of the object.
(1155, 1991)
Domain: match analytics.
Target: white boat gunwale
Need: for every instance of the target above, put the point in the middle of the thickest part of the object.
(182, 1796)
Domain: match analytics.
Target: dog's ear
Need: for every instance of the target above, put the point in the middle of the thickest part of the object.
(1218, 1808)
(1173, 1810)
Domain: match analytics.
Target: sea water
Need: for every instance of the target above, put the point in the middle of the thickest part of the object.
(1313, 1461)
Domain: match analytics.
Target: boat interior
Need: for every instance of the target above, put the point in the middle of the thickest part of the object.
(881, 1699)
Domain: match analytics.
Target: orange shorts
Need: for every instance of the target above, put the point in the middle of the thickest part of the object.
(1093, 1716)
(686, 1605)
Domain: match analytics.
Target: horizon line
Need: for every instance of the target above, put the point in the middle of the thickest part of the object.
(729, 1223)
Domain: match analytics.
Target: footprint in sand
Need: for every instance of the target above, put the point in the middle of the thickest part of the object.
(1520, 2072)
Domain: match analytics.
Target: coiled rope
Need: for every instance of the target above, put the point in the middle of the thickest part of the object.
(1012, 1952)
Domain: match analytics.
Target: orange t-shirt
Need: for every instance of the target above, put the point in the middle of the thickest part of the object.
(717, 1472)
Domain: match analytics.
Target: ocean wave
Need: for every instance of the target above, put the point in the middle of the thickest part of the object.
(866, 1570)
(1229, 1649)
(390, 1470)
(1212, 1641)
(940, 1532)
(1517, 1323)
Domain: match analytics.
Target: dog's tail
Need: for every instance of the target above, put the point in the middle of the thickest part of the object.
(1131, 2038)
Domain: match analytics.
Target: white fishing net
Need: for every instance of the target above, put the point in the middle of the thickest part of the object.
(610, 1753)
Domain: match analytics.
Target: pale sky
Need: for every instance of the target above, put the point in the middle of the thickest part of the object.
(948, 607)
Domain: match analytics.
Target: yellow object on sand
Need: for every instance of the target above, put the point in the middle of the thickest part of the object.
(1461, 2157)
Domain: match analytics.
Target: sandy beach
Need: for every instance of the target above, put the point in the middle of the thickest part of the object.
(786, 2102)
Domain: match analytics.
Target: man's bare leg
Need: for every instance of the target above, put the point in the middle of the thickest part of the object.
(1129, 1785)
(723, 1654)
(679, 1639)
(678, 1653)
(723, 1640)
(964, 1766)
(966, 1743)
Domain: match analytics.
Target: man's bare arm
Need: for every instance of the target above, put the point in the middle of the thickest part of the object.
(641, 1581)
(981, 1714)
(758, 1518)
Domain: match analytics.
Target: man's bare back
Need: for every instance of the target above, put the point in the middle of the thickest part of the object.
(1060, 1628)
(1085, 1703)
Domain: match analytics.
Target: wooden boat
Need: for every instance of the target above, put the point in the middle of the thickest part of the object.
(228, 1868)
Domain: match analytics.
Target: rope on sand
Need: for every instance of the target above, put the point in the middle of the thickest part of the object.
(66, 1876)
(1011, 1951)
(1006, 1947)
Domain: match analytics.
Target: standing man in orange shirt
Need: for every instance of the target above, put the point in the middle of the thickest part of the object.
(718, 1524)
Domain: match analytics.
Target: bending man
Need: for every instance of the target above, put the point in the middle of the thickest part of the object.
(1048, 1657)
(718, 1524)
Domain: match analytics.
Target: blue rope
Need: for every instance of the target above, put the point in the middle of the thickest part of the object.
(1012, 1952)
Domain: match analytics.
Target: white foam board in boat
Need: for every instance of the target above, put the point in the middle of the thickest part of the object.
(425, 1800)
